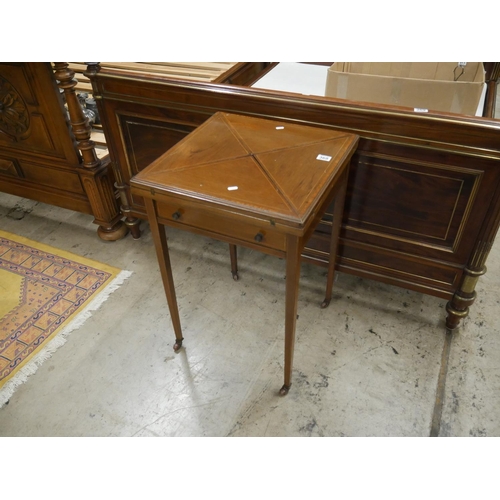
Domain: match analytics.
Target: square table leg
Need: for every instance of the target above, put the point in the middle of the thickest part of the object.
(293, 260)
(160, 241)
(338, 211)
(233, 254)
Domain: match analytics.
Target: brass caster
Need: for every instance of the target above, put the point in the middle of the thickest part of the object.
(284, 390)
(178, 345)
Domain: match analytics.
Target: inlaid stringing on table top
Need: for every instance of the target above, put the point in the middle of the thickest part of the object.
(251, 182)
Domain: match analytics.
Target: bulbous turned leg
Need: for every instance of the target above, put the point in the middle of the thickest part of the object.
(454, 316)
(458, 307)
(131, 222)
(133, 226)
(284, 390)
(117, 232)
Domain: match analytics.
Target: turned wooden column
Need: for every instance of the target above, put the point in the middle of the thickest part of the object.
(458, 307)
(123, 188)
(95, 175)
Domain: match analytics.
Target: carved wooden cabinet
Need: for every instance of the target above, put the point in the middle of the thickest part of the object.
(423, 201)
(46, 154)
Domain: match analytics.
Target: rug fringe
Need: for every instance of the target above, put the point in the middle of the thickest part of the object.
(30, 368)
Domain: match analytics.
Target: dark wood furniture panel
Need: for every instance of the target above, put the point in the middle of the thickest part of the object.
(45, 153)
(423, 200)
(49, 154)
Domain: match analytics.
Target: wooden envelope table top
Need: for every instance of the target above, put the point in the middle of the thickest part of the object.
(252, 182)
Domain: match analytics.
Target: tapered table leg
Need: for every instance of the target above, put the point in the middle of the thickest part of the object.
(160, 241)
(234, 261)
(291, 298)
(338, 211)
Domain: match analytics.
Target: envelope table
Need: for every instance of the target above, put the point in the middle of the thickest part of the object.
(250, 182)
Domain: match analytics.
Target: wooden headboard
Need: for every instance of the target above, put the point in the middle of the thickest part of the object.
(423, 202)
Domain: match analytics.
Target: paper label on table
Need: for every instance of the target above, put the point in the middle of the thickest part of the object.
(280, 128)
(420, 110)
(232, 188)
(323, 157)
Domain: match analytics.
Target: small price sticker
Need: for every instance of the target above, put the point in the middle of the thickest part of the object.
(420, 110)
(323, 157)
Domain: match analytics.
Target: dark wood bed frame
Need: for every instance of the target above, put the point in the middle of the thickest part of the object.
(423, 203)
(48, 155)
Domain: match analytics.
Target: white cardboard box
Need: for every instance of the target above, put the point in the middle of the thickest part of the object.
(436, 86)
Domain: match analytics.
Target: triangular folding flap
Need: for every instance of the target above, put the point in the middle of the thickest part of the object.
(231, 182)
(211, 141)
(300, 172)
(261, 135)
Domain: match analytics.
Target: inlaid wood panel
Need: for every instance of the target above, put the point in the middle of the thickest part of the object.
(422, 204)
(144, 140)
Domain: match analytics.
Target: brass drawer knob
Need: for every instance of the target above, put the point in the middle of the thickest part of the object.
(259, 237)
(176, 215)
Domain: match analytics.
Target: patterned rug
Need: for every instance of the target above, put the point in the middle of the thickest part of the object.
(45, 294)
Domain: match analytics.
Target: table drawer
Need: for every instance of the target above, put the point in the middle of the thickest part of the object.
(234, 228)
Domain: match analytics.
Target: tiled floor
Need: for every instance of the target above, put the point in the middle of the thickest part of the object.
(368, 365)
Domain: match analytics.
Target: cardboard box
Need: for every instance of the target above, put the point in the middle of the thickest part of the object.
(434, 86)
